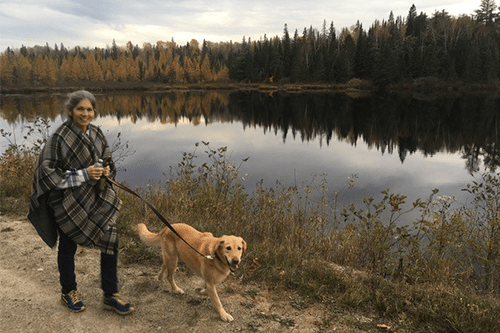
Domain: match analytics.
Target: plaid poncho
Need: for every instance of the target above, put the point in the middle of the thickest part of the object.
(82, 212)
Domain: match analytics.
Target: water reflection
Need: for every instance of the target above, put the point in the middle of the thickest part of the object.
(317, 133)
(402, 125)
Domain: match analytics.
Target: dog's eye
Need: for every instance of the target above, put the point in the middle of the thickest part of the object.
(228, 248)
(239, 248)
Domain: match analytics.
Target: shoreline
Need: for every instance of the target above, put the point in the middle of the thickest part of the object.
(355, 87)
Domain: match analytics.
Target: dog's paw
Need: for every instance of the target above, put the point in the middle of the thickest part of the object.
(178, 291)
(201, 291)
(226, 317)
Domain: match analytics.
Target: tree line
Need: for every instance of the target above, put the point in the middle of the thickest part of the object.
(465, 48)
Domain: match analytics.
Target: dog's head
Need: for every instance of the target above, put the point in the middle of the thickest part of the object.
(231, 249)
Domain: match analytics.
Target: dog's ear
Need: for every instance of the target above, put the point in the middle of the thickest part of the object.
(216, 247)
(244, 247)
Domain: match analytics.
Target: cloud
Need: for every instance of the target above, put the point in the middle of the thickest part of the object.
(97, 22)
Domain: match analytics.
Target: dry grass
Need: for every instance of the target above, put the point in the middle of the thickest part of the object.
(438, 275)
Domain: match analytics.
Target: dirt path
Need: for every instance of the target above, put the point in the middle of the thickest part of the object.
(30, 297)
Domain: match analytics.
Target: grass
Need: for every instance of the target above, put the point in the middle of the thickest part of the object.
(439, 274)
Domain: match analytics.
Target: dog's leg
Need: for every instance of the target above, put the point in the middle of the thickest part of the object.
(164, 265)
(171, 267)
(161, 274)
(212, 292)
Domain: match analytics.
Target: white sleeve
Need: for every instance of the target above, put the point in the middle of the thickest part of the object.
(74, 178)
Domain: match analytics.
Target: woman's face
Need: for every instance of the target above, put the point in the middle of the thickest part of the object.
(83, 114)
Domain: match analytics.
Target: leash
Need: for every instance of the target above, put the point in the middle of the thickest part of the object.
(164, 220)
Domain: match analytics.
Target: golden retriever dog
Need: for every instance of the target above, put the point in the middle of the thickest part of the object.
(226, 252)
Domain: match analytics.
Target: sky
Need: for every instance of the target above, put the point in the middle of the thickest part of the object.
(96, 23)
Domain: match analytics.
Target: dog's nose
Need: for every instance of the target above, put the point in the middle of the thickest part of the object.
(235, 261)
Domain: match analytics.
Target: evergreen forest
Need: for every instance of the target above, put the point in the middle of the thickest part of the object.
(400, 49)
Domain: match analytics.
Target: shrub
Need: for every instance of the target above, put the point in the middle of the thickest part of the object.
(17, 165)
(437, 274)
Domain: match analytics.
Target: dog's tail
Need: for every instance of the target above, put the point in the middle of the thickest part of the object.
(147, 236)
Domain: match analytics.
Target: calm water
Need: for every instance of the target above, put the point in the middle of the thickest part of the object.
(409, 145)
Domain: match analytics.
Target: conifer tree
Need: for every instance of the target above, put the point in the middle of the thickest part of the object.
(411, 21)
(362, 57)
(178, 73)
(114, 50)
(6, 68)
(287, 53)
(93, 69)
(206, 73)
(487, 13)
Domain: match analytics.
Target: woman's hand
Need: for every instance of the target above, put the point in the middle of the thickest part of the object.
(96, 173)
(106, 171)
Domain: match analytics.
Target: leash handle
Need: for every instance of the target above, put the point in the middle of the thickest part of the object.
(164, 220)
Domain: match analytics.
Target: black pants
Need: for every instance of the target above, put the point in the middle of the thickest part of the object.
(66, 265)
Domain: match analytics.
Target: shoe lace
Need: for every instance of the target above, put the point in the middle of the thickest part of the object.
(118, 299)
(73, 295)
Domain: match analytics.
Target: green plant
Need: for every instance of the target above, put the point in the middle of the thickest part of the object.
(482, 231)
(437, 274)
(17, 164)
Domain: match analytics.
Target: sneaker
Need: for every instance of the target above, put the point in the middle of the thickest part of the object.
(72, 301)
(118, 305)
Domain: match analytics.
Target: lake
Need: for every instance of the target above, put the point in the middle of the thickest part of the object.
(410, 145)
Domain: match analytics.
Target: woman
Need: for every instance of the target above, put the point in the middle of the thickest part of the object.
(66, 201)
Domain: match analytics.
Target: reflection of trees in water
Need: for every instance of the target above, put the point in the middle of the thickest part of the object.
(402, 125)
(490, 156)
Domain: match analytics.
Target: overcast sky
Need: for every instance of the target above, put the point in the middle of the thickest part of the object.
(97, 22)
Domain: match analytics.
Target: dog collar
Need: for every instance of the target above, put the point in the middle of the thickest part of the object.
(227, 262)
